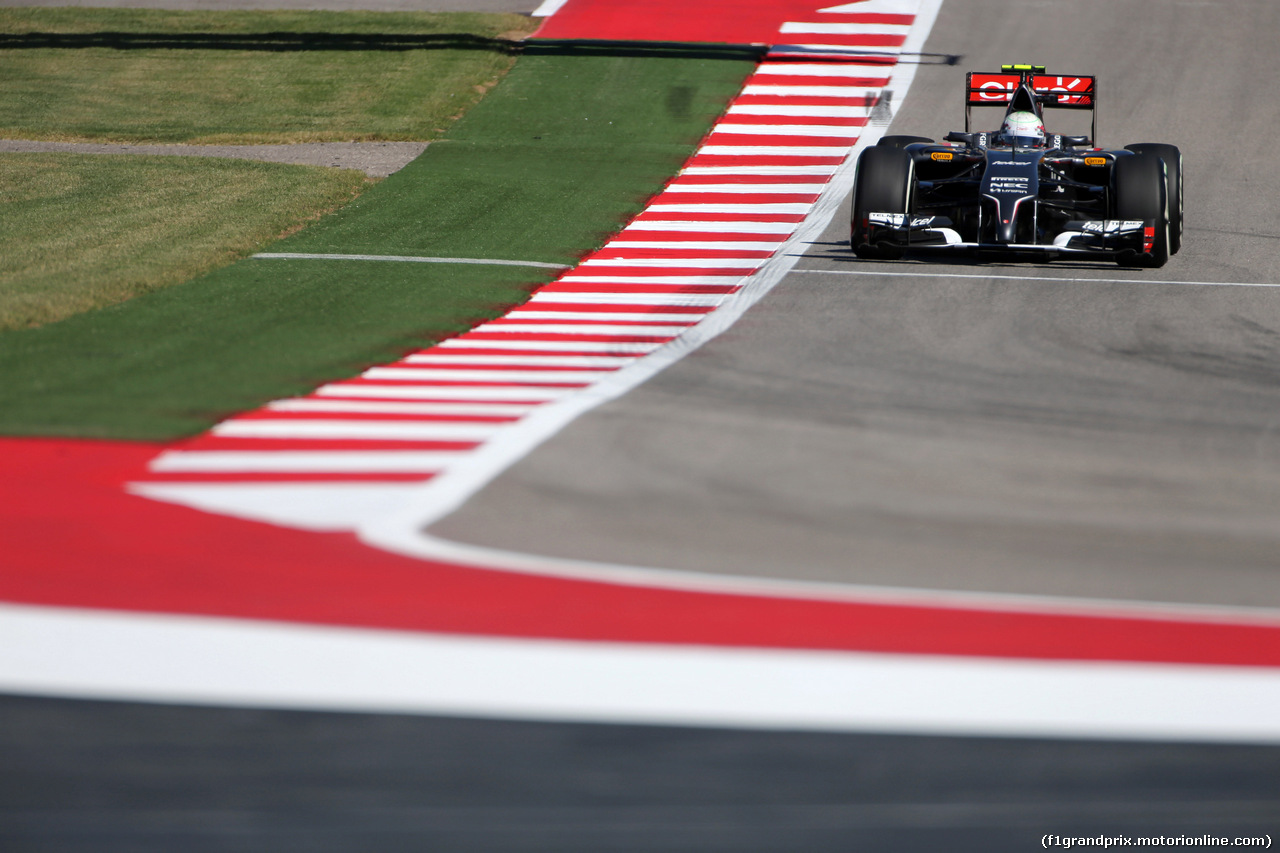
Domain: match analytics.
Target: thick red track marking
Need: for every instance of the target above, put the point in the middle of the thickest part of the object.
(121, 552)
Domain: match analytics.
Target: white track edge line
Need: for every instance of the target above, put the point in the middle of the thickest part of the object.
(101, 655)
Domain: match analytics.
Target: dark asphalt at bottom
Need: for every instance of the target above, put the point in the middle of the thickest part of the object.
(106, 777)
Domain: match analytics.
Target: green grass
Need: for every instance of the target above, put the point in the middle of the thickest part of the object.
(80, 232)
(134, 75)
(567, 147)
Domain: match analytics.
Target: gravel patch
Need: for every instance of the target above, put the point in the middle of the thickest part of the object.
(375, 159)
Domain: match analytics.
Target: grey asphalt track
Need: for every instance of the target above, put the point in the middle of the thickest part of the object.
(1069, 428)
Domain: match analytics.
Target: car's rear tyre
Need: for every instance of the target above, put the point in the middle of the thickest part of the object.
(1172, 158)
(1138, 191)
(885, 184)
(901, 141)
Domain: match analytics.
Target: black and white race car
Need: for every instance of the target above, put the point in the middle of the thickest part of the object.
(1020, 191)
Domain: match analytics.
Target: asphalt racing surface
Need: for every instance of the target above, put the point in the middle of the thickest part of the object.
(1068, 429)
(1063, 430)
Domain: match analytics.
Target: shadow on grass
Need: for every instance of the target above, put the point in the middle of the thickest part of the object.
(323, 41)
(271, 42)
(285, 42)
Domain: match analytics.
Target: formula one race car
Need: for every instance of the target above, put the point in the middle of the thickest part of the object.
(1020, 190)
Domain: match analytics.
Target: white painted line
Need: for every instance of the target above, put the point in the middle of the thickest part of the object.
(824, 130)
(444, 393)
(677, 263)
(584, 361)
(859, 29)
(383, 407)
(296, 256)
(776, 207)
(760, 170)
(815, 110)
(146, 657)
(637, 347)
(461, 374)
(612, 316)
(861, 93)
(303, 461)
(357, 430)
(763, 189)
(774, 151)
(1065, 279)
(719, 227)
(575, 329)
(675, 299)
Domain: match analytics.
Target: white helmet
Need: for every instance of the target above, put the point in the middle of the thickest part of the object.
(1022, 129)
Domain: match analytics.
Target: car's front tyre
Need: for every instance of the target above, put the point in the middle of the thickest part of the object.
(885, 183)
(1172, 158)
(1139, 191)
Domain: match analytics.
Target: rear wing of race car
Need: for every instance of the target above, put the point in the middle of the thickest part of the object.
(1058, 91)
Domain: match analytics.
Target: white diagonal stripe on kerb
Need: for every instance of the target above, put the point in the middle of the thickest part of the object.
(395, 430)
(818, 69)
(744, 189)
(709, 280)
(394, 407)
(775, 207)
(303, 461)
(698, 245)
(726, 227)
(462, 374)
(447, 393)
(851, 92)
(609, 298)
(826, 171)
(636, 347)
(800, 110)
(833, 51)
(582, 361)
(841, 29)
(613, 316)
(575, 329)
(673, 263)
(775, 151)
(826, 130)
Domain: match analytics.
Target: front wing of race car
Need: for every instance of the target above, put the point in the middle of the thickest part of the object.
(1099, 237)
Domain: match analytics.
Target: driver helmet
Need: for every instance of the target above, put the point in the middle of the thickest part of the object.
(1022, 129)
